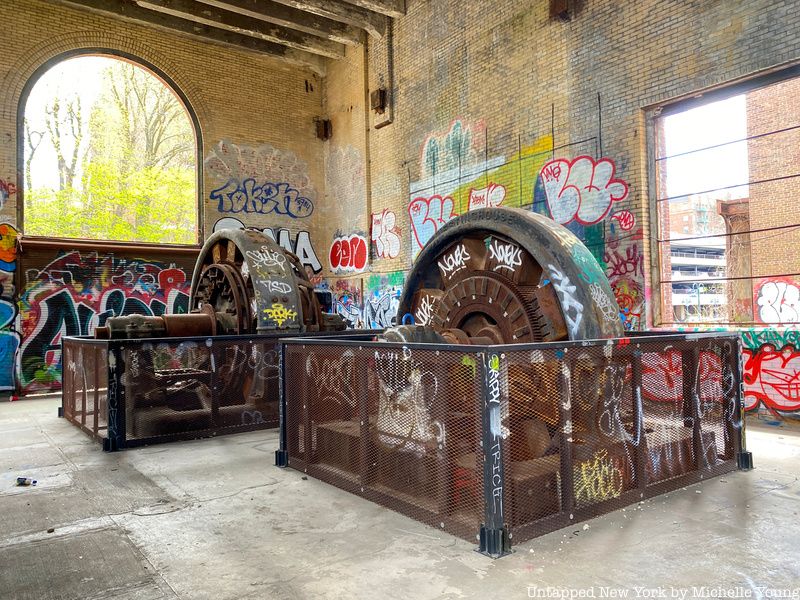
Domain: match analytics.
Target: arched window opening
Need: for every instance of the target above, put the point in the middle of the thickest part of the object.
(110, 153)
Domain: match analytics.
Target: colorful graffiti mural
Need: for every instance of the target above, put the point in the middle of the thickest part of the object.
(771, 363)
(382, 298)
(9, 337)
(260, 180)
(77, 292)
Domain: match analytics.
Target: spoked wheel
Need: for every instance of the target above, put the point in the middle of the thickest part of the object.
(504, 275)
(253, 285)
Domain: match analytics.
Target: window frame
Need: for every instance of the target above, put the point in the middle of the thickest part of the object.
(678, 104)
(105, 244)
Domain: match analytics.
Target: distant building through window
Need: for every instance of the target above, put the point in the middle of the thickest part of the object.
(109, 154)
(727, 174)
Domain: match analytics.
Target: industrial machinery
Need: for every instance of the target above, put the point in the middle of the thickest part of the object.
(509, 400)
(505, 276)
(243, 283)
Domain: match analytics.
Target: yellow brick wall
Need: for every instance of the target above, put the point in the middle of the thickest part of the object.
(521, 83)
(241, 97)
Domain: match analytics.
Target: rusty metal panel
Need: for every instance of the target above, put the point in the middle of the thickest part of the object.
(510, 442)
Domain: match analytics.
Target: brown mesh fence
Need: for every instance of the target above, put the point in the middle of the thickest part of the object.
(131, 392)
(85, 386)
(505, 443)
(399, 426)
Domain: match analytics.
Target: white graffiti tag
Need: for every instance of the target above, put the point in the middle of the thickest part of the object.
(265, 257)
(454, 261)
(507, 256)
(276, 287)
(424, 311)
(607, 306)
(572, 309)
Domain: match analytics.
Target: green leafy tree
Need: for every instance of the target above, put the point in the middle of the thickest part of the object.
(137, 178)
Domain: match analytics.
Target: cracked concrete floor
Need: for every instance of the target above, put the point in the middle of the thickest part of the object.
(214, 519)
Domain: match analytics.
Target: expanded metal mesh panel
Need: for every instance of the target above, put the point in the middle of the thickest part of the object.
(524, 439)
(173, 387)
(85, 386)
(592, 428)
(399, 426)
(130, 392)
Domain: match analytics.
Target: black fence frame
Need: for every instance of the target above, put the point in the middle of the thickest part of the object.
(494, 535)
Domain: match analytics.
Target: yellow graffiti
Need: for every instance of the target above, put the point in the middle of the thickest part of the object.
(597, 479)
(280, 314)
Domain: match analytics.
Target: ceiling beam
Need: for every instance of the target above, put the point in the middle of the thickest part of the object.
(214, 17)
(273, 12)
(373, 23)
(132, 12)
(390, 8)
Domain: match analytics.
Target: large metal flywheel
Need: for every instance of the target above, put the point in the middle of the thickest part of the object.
(506, 275)
(252, 285)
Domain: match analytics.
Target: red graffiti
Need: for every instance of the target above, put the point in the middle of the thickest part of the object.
(630, 263)
(171, 278)
(625, 219)
(582, 189)
(772, 377)
(349, 254)
(662, 376)
(7, 189)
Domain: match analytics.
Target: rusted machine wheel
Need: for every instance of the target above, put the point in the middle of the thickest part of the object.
(506, 275)
(253, 285)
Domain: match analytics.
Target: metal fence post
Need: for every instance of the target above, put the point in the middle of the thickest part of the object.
(638, 420)
(566, 472)
(495, 540)
(744, 458)
(282, 453)
(116, 400)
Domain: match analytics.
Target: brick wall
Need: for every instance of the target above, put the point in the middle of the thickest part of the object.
(516, 84)
(255, 116)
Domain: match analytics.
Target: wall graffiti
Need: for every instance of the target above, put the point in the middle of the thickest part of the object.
(77, 292)
(625, 219)
(778, 301)
(772, 377)
(346, 299)
(346, 187)
(581, 189)
(7, 189)
(427, 217)
(348, 254)
(9, 337)
(488, 197)
(264, 198)
(382, 299)
(260, 180)
(625, 271)
(385, 234)
(460, 145)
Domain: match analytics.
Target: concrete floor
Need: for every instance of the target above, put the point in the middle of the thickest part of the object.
(214, 519)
